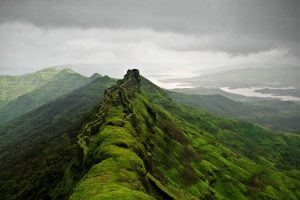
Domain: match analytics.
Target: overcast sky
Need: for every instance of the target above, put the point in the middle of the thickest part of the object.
(163, 38)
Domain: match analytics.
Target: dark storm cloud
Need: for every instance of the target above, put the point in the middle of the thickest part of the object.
(239, 26)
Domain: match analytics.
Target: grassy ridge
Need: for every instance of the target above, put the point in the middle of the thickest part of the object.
(188, 153)
(140, 144)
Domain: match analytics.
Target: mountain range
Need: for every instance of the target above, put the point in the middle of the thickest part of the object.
(102, 138)
(56, 83)
(273, 114)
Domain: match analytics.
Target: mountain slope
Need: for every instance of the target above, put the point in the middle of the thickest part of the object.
(13, 86)
(61, 83)
(36, 148)
(270, 152)
(273, 114)
(216, 104)
(139, 144)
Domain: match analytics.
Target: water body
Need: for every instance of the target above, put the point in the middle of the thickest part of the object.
(170, 85)
(250, 92)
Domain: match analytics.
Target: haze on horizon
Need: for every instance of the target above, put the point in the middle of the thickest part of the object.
(164, 39)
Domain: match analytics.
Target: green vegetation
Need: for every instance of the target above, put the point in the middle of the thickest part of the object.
(189, 153)
(139, 144)
(238, 151)
(58, 83)
(13, 86)
(37, 148)
(273, 114)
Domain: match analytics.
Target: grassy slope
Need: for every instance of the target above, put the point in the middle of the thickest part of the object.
(36, 148)
(116, 153)
(237, 149)
(273, 114)
(141, 145)
(60, 84)
(13, 86)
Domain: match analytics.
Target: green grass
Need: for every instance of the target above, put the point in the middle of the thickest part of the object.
(145, 146)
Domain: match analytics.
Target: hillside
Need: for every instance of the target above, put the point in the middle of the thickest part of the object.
(165, 151)
(35, 148)
(61, 83)
(274, 114)
(139, 144)
(12, 87)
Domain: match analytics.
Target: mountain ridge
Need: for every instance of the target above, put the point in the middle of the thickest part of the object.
(12, 87)
(61, 82)
(127, 115)
(140, 144)
(112, 158)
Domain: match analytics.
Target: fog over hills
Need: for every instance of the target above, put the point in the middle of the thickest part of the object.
(248, 77)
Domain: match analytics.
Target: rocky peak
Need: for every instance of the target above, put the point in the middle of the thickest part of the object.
(132, 80)
(132, 74)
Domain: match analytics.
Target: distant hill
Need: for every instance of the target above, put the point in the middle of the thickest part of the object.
(273, 114)
(12, 87)
(56, 84)
(138, 143)
(280, 92)
(216, 91)
(54, 115)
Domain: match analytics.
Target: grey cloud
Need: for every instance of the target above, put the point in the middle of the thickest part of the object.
(234, 44)
(27, 46)
(249, 26)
